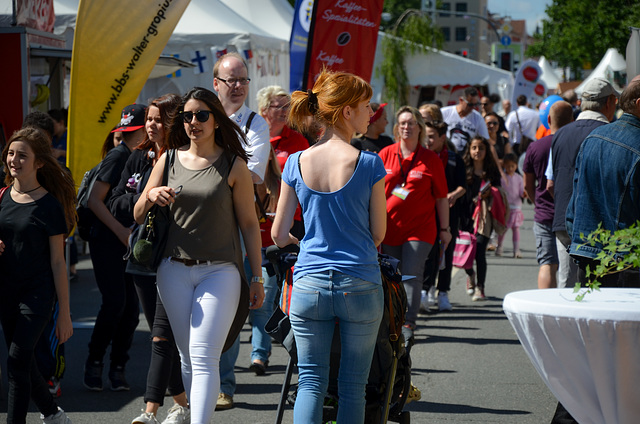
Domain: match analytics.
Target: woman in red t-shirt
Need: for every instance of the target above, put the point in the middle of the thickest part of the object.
(415, 187)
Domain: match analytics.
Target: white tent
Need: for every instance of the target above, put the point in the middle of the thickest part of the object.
(206, 29)
(209, 28)
(549, 76)
(439, 68)
(612, 67)
(272, 16)
(633, 54)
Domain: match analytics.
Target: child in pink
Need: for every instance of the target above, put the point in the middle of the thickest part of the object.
(513, 184)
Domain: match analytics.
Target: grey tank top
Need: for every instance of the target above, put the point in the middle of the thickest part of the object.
(204, 224)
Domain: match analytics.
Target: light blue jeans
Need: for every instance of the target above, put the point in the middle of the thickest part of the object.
(317, 302)
(260, 339)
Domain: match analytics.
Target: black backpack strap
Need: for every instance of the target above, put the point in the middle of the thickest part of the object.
(249, 121)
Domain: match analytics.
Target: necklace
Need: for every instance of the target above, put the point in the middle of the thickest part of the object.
(27, 191)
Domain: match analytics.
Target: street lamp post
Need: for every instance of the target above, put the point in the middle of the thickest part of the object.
(462, 14)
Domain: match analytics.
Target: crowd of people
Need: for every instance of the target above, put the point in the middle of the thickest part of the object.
(313, 169)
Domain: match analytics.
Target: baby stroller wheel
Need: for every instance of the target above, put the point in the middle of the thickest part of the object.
(405, 418)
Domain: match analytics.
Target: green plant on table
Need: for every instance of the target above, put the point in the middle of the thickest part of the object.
(620, 251)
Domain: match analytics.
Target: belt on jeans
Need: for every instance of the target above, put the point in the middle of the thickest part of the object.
(190, 262)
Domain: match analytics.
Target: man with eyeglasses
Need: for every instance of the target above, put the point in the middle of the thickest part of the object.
(231, 82)
(464, 120)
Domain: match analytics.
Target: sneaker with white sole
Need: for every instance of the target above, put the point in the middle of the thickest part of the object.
(443, 302)
(431, 297)
(58, 418)
(478, 295)
(146, 418)
(178, 415)
(224, 402)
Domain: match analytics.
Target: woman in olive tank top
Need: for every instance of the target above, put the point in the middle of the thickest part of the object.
(201, 280)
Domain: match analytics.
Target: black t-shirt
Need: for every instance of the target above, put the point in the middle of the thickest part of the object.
(370, 144)
(112, 166)
(25, 264)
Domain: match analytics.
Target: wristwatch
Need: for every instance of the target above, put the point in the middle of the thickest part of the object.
(256, 279)
(448, 229)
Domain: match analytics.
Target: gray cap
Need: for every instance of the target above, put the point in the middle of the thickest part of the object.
(598, 88)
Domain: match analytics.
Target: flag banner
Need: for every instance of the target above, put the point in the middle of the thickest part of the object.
(526, 82)
(343, 36)
(110, 64)
(298, 43)
(37, 14)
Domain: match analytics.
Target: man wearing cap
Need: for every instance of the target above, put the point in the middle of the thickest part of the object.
(598, 107)
(463, 120)
(118, 315)
(575, 146)
(231, 82)
(373, 140)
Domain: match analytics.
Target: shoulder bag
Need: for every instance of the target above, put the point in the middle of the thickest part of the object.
(148, 241)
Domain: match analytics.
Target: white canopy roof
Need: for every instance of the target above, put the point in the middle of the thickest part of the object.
(549, 75)
(272, 16)
(612, 62)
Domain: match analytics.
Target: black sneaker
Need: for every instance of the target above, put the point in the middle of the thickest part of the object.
(118, 382)
(93, 376)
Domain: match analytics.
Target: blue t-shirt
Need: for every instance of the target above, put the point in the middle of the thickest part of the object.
(337, 228)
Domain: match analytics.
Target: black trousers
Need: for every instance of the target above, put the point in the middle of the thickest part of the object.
(481, 260)
(22, 330)
(164, 365)
(118, 316)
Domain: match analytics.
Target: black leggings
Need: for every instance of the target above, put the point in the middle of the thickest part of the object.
(481, 260)
(118, 316)
(22, 330)
(164, 365)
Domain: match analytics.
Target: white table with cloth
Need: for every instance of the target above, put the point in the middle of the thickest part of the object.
(587, 353)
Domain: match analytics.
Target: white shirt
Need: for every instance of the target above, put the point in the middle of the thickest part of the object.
(259, 146)
(530, 121)
(462, 130)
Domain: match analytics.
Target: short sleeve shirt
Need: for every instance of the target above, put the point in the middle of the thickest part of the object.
(258, 148)
(25, 264)
(337, 224)
(535, 162)
(287, 143)
(413, 218)
(462, 130)
(112, 166)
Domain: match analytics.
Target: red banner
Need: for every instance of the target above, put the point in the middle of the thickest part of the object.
(343, 36)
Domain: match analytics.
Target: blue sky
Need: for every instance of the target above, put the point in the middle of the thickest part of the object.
(530, 10)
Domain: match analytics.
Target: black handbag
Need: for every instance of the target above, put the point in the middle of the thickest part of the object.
(149, 240)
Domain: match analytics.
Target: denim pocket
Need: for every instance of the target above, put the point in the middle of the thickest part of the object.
(304, 303)
(364, 305)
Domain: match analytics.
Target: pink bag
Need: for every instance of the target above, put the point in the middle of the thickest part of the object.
(465, 250)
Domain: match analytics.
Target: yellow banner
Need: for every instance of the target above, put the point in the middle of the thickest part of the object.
(115, 47)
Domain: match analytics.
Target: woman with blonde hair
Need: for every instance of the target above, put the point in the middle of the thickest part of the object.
(337, 276)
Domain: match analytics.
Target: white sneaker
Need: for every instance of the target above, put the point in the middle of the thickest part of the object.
(178, 415)
(146, 418)
(443, 302)
(431, 297)
(58, 418)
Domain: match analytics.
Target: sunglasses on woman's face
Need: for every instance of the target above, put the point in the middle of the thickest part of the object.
(201, 116)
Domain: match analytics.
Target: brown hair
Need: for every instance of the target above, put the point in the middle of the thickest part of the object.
(331, 92)
(55, 179)
(489, 165)
(433, 111)
(167, 105)
(227, 134)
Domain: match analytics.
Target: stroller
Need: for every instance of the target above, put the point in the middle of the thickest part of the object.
(390, 375)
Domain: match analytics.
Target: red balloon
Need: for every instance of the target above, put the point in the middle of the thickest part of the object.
(539, 89)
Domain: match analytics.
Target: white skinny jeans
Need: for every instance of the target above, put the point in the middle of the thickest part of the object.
(201, 303)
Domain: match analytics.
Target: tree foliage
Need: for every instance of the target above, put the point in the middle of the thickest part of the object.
(411, 33)
(578, 33)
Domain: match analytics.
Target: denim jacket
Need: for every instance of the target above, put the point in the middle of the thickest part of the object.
(606, 183)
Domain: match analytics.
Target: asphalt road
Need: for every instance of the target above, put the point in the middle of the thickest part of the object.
(468, 363)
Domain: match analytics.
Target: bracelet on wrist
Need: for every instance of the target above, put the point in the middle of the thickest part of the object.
(256, 279)
(148, 200)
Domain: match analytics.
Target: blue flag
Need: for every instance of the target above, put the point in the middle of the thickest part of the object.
(298, 43)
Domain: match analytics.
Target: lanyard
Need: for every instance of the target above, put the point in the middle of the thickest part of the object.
(413, 161)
